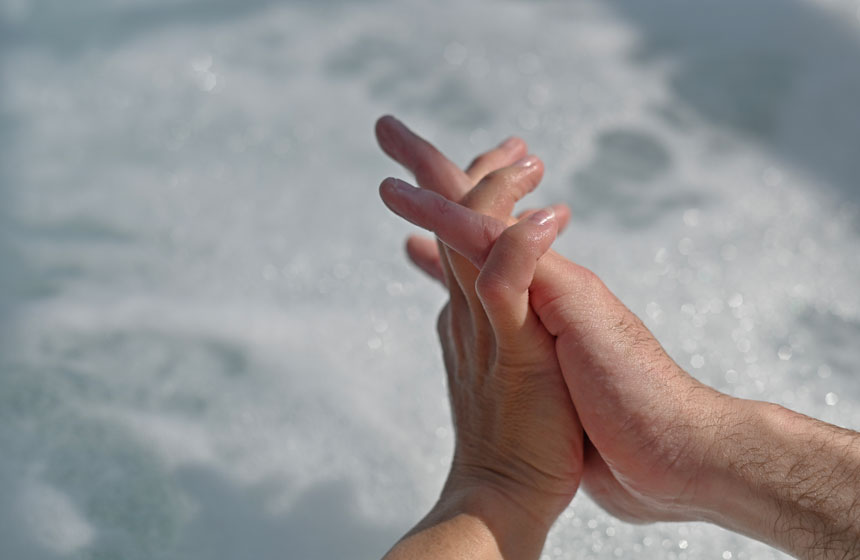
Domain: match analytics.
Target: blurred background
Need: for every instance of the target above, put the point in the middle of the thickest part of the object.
(211, 345)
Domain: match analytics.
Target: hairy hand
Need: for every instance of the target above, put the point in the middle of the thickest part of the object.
(662, 446)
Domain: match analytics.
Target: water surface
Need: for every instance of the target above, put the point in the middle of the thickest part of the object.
(212, 346)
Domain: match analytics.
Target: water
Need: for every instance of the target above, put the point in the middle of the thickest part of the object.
(212, 346)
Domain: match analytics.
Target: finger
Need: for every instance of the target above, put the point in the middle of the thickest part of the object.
(467, 232)
(503, 284)
(503, 155)
(424, 252)
(472, 234)
(498, 192)
(562, 215)
(495, 195)
(495, 162)
(432, 170)
(435, 172)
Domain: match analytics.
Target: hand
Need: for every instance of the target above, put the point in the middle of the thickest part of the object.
(649, 423)
(624, 472)
(516, 429)
(662, 445)
(435, 172)
(518, 452)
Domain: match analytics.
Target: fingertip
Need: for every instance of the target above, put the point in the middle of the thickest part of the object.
(501, 156)
(416, 245)
(512, 143)
(531, 162)
(544, 227)
(388, 131)
(393, 185)
(526, 162)
(544, 218)
(387, 184)
(387, 188)
(394, 192)
(538, 171)
(380, 130)
(562, 214)
(385, 122)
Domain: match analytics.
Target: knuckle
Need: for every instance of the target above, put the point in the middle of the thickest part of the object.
(490, 234)
(491, 288)
(440, 206)
(588, 280)
(514, 240)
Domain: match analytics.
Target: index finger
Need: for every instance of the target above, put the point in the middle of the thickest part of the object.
(432, 170)
(467, 232)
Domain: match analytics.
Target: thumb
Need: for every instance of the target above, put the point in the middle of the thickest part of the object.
(503, 283)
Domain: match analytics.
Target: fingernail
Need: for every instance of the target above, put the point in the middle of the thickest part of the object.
(510, 143)
(392, 127)
(527, 161)
(541, 217)
(399, 186)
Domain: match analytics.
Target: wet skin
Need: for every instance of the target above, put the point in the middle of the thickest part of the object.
(660, 445)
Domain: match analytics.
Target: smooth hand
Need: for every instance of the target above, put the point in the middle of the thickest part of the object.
(519, 445)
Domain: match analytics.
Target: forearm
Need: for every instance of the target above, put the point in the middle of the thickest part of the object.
(473, 523)
(791, 481)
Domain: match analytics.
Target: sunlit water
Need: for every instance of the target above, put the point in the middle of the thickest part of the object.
(212, 346)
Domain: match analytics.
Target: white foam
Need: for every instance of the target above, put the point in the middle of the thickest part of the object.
(205, 303)
(53, 519)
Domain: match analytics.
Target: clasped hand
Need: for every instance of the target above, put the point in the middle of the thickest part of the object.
(539, 352)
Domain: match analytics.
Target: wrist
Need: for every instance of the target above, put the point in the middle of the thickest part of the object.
(518, 525)
(787, 480)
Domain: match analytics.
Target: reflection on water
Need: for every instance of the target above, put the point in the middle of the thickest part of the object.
(209, 340)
